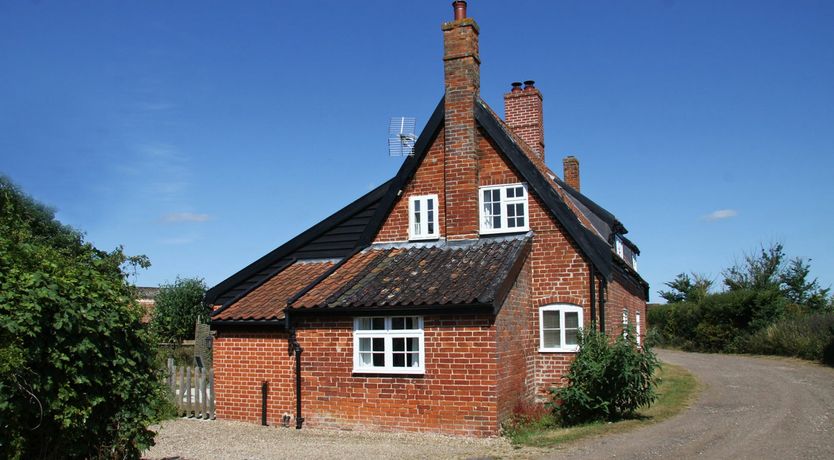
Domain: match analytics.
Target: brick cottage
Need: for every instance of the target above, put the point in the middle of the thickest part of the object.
(443, 299)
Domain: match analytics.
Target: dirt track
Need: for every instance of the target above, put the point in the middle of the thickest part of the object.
(750, 407)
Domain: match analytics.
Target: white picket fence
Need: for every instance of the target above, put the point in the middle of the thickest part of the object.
(192, 390)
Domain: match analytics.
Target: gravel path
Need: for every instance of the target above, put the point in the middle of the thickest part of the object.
(750, 408)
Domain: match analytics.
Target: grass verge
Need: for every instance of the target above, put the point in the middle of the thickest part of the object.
(677, 390)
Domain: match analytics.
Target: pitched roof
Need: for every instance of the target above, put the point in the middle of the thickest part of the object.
(471, 273)
(334, 237)
(268, 300)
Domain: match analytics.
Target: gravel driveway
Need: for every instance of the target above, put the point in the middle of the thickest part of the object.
(750, 408)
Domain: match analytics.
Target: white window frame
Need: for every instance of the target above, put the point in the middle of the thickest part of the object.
(637, 326)
(634, 262)
(423, 200)
(618, 246)
(504, 202)
(625, 322)
(562, 309)
(388, 334)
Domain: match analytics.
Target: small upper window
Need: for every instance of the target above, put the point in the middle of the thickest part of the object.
(504, 209)
(618, 245)
(637, 327)
(634, 261)
(422, 217)
(559, 327)
(625, 323)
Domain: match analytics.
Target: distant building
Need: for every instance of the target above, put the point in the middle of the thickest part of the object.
(147, 296)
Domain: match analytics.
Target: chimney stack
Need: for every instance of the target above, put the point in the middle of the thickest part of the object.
(462, 77)
(571, 171)
(523, 113)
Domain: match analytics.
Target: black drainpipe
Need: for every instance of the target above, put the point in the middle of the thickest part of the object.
(591, 276)
(602, 285)
(296, 347)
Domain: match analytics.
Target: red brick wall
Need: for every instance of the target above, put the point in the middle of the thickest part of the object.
(618, 298)
(242, 361)
(457, 394)
(426, 181)
(514, 348)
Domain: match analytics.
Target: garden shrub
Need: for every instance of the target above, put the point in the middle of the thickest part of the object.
(177, 308)
(804, 336)
(77, 369)
(607, 380)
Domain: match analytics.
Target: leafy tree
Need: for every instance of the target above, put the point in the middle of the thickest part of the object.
(800, 291)
(757, 271)
(77, 371)
(178, 307)
(686, 288)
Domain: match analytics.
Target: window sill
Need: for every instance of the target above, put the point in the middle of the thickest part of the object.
(410, 371)
(559, 350)
(504, 231)
(424, 238)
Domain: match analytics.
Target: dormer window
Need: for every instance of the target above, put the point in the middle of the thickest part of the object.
(504, 209)
(634, 261)
(422, 218)
(618, 246)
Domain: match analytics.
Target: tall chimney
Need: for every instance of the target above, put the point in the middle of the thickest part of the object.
(462, 76)
(523, 113)
(571, 171)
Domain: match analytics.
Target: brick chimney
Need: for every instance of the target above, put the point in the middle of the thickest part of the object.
(523, 113)
(571, 171)
(462, 76)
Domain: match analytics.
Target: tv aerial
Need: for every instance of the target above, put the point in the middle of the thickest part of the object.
(401, 137)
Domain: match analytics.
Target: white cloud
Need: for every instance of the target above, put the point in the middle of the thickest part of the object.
(176, 217)
(721, 214)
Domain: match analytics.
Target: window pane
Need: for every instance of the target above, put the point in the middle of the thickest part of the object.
(520, 222)
(364, 324)
(365, 344)
(378, 324)
(399, 360)
(510, 193)
(496, 222)
(519, 192)
(510, 211)
(413, 360)
(571, 337)
(430, 204)
(572, 319)
(379, 344)
(398, 323)
(551, 319)
(413, 344)
(398, 343)
(551, 339)
(366, 359)
(417, 206)
(379, 360)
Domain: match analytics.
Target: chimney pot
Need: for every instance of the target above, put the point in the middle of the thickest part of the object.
(529, 84)
(460, 9)
(516, 87)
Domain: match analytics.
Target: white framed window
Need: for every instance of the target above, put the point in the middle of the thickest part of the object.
(618, 246)
(388, 345)
(637, 326)
(422, 217)
(503, 208)
(634, 261)
(559, 327)
(625, 323)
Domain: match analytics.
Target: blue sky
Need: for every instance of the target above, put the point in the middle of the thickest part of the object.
(204, 134)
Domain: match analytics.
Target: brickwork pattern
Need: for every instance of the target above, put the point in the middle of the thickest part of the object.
(523, 113)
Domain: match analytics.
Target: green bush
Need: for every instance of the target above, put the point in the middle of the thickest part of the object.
(77, 370)
(803, 335)
(177, 308)
(607, 380)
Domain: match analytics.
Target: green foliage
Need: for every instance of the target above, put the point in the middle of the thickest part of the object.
(607, 380)
(686, 288)
(77, 374)
(803, 336)
(768, 306)
(178, 307)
